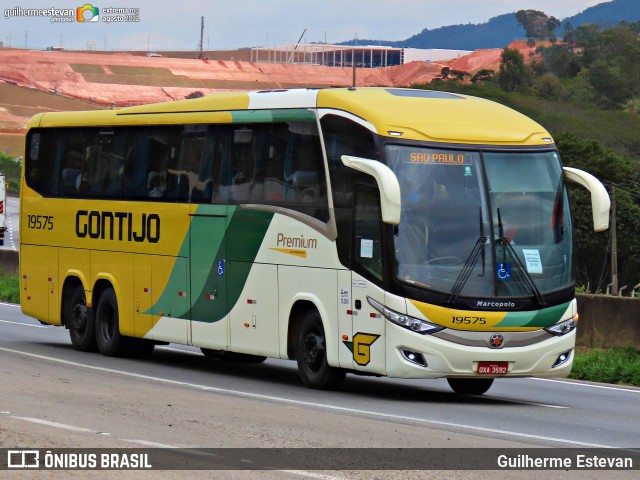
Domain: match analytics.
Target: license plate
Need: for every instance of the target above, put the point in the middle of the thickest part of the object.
(493, 368)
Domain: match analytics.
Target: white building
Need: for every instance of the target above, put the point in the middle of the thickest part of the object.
(364, 56)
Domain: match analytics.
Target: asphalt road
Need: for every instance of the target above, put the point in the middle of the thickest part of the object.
(52, 396)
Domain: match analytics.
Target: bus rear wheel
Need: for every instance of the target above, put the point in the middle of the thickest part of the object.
(78, 318)
(311, 355)
(470, 386)
(110, 342)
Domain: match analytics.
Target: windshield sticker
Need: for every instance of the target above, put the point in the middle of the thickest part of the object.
(366, 248)
(532, 260)
(503, 271)
(467, 171)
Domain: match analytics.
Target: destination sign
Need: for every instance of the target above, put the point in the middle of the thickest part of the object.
(439, 158)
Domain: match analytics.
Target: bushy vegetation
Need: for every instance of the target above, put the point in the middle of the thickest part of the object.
(616, 365)
(586, 92)
(9, 288)
(11, 168)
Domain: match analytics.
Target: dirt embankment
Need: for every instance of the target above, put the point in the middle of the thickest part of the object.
(86, 80)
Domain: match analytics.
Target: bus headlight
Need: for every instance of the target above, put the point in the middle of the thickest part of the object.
(562, 328)
(410, 323)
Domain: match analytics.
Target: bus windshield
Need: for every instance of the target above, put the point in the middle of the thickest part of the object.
(488, 224)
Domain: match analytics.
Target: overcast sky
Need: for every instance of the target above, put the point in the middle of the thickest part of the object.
(231, 24)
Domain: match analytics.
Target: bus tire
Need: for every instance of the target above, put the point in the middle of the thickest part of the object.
(78, 318)
(110, 342)
(470, 386)
(311, 355)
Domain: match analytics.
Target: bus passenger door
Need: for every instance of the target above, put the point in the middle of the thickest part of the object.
(208, 272)
(253, 287)
(345, 319)
(368, 325)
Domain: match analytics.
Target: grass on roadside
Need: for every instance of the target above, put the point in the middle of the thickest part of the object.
(9, 288)
(615, 365)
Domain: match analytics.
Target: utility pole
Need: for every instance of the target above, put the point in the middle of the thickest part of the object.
(201, 44)
(353, 67)
(614, 245)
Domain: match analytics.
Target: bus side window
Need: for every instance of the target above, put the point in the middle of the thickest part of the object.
(102, 173)
(73, 166)
(44, 154)
(206, 181)
(305, 186)
(150, 154)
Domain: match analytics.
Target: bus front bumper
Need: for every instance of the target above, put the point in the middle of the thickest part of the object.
(410, 355)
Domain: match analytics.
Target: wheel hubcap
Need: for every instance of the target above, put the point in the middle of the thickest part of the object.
(314, 349)
(79, 316)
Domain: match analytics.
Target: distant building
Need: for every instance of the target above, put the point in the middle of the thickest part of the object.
(364, 56)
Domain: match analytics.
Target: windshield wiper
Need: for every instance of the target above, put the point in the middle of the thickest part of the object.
(521, 274)
(477, 250)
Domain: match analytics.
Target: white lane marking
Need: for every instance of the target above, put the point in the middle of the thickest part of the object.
(56, 424)
(335, 408)
(304, 473)
(590, 385)
(25, 324)
(148, 444)
(545, 405)
(10, 304)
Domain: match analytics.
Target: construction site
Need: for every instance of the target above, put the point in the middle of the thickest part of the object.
(33, 81)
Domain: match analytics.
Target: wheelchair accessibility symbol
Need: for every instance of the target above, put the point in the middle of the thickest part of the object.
(504, 271)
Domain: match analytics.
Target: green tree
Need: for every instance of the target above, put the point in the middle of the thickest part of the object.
(569, 36)
(592, 250)
(448, 73)
(608, 82)
(560, 61)
(483, 75)
(548, 86)
(538, 25)
(514, 75)
(630, 72)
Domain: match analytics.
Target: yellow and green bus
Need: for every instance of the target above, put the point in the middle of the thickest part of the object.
(383, 231)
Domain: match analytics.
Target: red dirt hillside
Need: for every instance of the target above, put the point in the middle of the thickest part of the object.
(103, 79)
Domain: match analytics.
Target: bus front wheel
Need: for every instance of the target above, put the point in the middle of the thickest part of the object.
(78, 318)
(311, 355)
(470, 386)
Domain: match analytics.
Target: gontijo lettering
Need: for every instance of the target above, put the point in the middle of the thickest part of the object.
(121, 226)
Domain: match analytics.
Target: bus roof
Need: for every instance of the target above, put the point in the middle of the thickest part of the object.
(410, 114)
